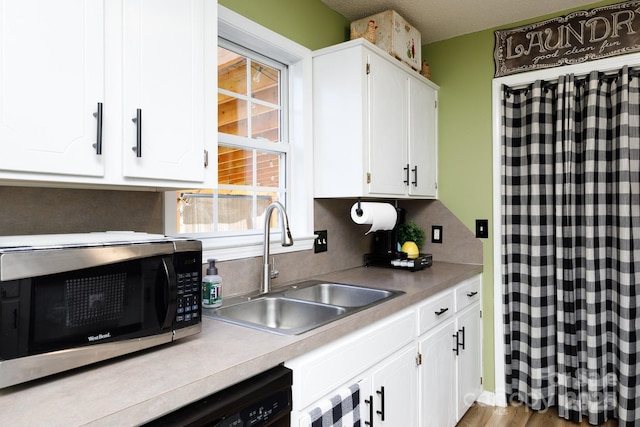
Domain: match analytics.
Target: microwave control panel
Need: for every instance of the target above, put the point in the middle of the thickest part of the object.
(188, 276)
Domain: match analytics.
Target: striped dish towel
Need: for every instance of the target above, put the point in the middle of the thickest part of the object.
(340, 410)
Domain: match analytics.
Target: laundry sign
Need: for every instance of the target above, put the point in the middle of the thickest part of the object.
(577, 37)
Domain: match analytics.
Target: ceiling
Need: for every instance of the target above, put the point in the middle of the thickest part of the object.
(443, 19)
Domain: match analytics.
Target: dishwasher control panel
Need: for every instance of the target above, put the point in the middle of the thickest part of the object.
(260, 413)
(263, 400)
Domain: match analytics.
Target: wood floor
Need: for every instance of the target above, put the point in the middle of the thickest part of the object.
(517, 416)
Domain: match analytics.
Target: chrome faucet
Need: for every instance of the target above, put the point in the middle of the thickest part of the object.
(286, 240)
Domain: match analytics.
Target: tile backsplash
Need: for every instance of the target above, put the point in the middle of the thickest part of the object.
(27, 210)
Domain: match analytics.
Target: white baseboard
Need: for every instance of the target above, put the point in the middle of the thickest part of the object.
(492, 399)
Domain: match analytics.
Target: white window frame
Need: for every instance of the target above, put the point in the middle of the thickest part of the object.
(299, 203)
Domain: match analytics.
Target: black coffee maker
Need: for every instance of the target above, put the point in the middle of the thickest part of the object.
(385, 253)
(384, 244)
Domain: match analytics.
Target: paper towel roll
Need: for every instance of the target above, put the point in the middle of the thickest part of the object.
(381, 216)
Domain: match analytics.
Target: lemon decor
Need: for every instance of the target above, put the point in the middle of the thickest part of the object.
(411, 232)
(411, 249)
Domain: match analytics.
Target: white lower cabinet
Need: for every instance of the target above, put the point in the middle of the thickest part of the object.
(419, 367)
(380, 358)
(449, 348)
(392, 399)
(468, 366)
(437, 377)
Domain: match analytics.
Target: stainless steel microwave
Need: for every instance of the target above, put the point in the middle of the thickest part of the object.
(72, 300)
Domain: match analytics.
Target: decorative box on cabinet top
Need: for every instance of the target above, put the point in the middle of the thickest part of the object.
(393, 35)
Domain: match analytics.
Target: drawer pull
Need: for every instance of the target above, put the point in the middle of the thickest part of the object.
(442, 311)
(472, 294)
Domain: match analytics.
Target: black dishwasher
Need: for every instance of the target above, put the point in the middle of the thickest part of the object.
(262, 400)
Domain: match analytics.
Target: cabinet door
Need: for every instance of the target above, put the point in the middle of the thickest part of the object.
(51, 81)
(164, 78)
(395, 382)
(367, 401)
(469, 360)
(437, 377)
(387, 128)
(423, 158)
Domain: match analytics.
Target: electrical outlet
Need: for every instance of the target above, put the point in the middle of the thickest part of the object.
(482, 228)
(320, 244)
(436, 234)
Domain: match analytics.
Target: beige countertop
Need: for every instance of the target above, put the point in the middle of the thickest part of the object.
(135, 388)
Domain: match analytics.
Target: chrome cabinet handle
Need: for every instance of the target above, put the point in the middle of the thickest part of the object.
(138, 121)
(98, 116)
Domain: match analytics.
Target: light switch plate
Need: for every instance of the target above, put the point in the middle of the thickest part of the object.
(482, 228)
(436, 234)
(320, 244)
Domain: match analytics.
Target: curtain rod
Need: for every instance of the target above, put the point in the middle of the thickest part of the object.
(581, 79)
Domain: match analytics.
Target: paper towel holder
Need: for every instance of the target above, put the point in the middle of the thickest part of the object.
(359, 209)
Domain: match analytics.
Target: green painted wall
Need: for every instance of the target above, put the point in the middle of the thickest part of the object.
(307, 22)
(463, 67)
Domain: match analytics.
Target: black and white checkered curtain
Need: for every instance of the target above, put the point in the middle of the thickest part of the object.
(571, 245)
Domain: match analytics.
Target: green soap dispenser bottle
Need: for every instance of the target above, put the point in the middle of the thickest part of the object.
(212, 287)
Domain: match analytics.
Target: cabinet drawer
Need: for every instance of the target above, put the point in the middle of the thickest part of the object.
(468, 292)
(435, 310)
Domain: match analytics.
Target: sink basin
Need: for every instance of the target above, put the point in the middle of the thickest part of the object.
(339, 294)
(279, 314)
(301, 307)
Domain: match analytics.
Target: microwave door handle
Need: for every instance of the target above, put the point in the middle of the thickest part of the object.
(171, 290)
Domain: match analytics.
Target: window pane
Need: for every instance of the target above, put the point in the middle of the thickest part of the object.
(264, 200)
(235, 166)
(195, 211)
(232, 115)
(232, 71)
(268, 169)
(265, 122)
(265, 83)
(235, 210)
(232, 77)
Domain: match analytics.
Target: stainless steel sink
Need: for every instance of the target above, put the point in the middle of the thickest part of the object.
(339, 294)
(279, 314)
(300, 307)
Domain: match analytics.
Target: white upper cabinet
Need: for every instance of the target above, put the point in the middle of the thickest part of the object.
(423, 137)
(69, 66)
(375, 125)
(164, 80)
(51, 81)
(388, 109)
